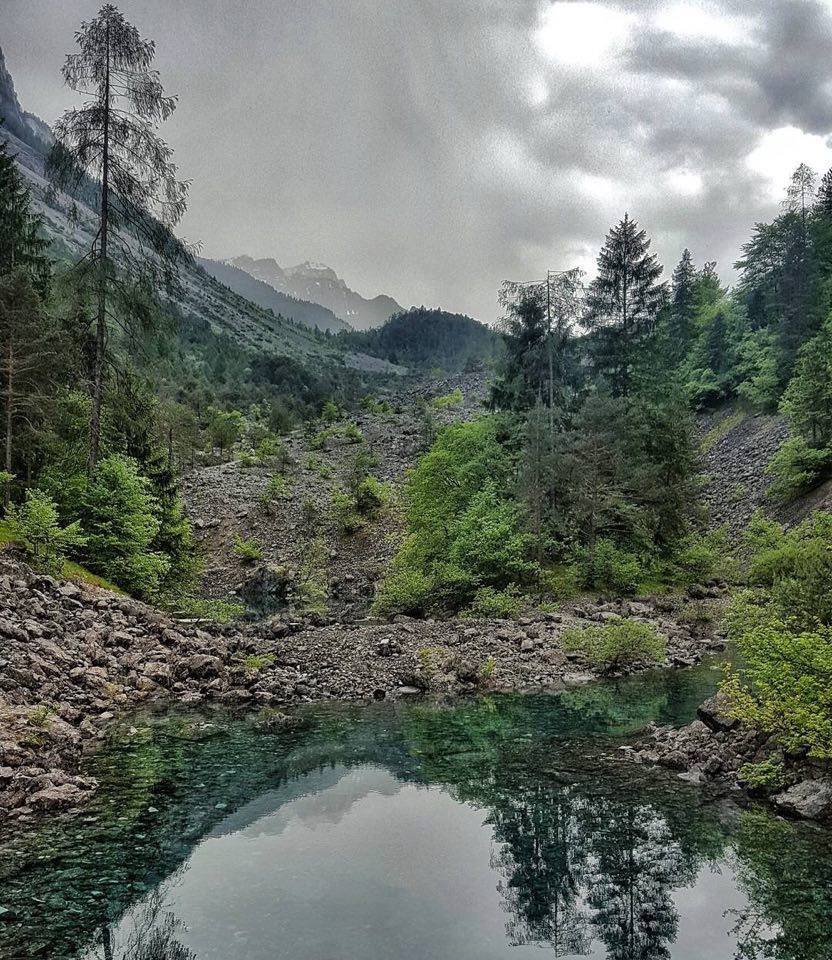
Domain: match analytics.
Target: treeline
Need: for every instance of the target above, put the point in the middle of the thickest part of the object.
(423, 338)
(584, 475)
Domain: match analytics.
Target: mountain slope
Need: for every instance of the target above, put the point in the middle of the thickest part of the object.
(321, 284)
(264, 295)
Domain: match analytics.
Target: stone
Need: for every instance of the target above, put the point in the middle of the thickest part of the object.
(810, 799)
(714, 713)
(57, 798)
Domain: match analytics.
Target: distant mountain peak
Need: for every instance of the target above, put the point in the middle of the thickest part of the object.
(319, 283)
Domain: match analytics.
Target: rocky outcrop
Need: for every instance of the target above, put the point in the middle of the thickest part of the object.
(71, 660)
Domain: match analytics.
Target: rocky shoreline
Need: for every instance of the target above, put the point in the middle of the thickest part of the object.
(74, 658)
(718, 752)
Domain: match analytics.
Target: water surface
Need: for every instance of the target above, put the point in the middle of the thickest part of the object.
(493, 828)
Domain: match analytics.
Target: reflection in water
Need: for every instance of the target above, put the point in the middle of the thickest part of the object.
(484, 830)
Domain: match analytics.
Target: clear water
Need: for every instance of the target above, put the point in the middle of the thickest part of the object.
(495, 828)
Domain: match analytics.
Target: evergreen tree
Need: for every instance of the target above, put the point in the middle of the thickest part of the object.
(683, 305)
(112, 139)
(823, 198)
(623, 301)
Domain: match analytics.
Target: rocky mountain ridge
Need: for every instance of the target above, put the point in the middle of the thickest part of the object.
(320, 284)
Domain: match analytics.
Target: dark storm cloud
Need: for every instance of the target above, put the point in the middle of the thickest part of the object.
(429, 149)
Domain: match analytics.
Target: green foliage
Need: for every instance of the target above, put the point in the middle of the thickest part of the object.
(616, 644)
(785, 685)
(36, 526)
(606, 568)
(258, 661)
(122, 520)
(797, 468)
(489, 603)
(330, 412)
(698, 557)
(374, 406)
(277, 488)
(247, 551)
(724, 427)
(452, 399)
(766, 776)
(796, 565)
(220, 611)
(352, 434)
(225, 428)
(345, 513)
(464, 531)
(272, 448)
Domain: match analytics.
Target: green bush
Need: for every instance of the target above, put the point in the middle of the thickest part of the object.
(767, 776)
(345, 514)
(35, 525)
(220, 611)
(405, 589)
(272, 448)
(330, 412)
(610, 569)
(121, 518)
(497, 604)
(785, 685)
(698, 557)
(797, 468)
(277, 488)
(453, 399)
(352, 434)
(796, 565)
(247, 551)
(617, 643)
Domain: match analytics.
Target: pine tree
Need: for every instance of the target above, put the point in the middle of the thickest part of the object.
(111, 138)
(623, 301)
(683, 304)
(823, 198)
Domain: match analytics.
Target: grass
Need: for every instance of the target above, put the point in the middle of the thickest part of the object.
(70, 570)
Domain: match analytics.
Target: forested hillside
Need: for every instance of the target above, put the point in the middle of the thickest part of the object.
(423, 338)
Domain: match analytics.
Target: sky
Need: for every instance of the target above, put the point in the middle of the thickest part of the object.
(429, 149)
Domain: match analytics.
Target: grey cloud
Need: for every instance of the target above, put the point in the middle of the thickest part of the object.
(396, 140)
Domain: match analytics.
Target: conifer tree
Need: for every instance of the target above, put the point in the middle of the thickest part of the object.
(111, 138)
(623, 301)
(683, 305)
(823, 198)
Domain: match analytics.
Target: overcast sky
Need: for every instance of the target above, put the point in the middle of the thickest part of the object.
(430, 148)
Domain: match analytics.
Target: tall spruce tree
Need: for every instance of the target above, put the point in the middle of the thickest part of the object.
(111, 139)
(823, 198)
(623, 301)
(683, 305)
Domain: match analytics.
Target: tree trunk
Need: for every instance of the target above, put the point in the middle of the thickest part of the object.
(7, 489)
(101, 325)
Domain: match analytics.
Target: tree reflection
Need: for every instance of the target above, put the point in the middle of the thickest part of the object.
(540, 862)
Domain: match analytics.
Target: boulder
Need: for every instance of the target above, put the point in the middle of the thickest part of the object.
(714, 713)
(810, 799)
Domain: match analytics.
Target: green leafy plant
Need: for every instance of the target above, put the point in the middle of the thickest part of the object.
(616, 644)
(453, 399)
(36, 526)
(607, 568)
(766, 776)
(247, 551)
(258, 661)
(352, 434)
(497, 604)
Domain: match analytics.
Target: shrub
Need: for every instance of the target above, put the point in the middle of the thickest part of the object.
(405, 589)
(352, 434)
(453, 399)
(276, 489)
(220, 611)
(698, 556)
(498, 604)
(797, 468)
(248, 551)
(607, 568)
(785, 685)
(345, 514)
(272, 448)
(310, 511)
(487, 668)
(330, 412)
(121, 517)
(796, 565)
(370, 496)
(246, 459)
(616, 644)
(319, 440)
(35, 524)
(767, 776)
(258, 661)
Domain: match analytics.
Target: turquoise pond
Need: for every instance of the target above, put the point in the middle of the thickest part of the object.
(508, 826)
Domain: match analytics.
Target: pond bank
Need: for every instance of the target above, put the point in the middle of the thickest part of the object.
(72, 660)
(716, 750)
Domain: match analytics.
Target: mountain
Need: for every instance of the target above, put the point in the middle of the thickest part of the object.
(26, 127)
(265, 295)
(320, 284)
(423, 338)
